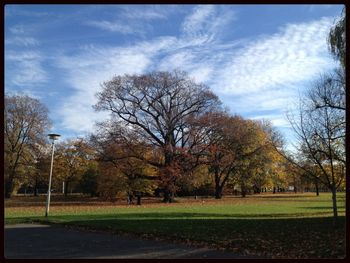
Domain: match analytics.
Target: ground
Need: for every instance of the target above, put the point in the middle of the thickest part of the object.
(266, 225)
(35, 241)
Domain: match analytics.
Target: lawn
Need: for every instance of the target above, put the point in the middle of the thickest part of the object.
(278, 226)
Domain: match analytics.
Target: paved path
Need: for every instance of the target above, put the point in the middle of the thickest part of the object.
(44, 241)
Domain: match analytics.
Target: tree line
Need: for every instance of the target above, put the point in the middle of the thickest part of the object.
(169, 135)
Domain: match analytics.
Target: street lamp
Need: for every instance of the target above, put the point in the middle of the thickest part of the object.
(52, 137)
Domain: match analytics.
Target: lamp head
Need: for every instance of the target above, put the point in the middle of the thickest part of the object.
(53, 136)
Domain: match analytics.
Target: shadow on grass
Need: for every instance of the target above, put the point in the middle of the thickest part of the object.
(281, 237)
(300, 198)
(199, 220)
(179, 216)
(329, 208)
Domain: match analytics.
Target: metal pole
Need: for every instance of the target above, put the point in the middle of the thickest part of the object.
(49, 190)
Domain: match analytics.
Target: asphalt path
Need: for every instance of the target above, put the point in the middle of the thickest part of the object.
(25, 241)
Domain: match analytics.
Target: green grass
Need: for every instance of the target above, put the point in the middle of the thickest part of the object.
(289, 226)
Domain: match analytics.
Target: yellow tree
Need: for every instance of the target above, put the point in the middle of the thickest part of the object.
(70, 162)
(257, 158)
(124, 160)
(232, 144)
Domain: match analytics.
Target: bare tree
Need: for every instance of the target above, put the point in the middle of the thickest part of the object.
(321, 135)
(157, 106)
(26, 120)
(329, 91)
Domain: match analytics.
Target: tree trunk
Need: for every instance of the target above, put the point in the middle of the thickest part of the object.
(316, 187)
(218, 187)
(274, 190)
(35, 190)
(66, 188)
(130, 197)
(334, 199)
(138, 199)
(218, 192)
(8, 188)
(243, 190)
(167, 196)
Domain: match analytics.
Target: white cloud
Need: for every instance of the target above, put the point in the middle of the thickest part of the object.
(113, 26)
(199, 19)
(181, 59)
(25, 68)
(295, 54)
(131, 20)
(202, 73)
(20, 56)
(269, 100)
(144, 13)
(206, 22)
(265, 75)
(276, 120)
(250, 76)
(17, 29)
(22, 41)
(94, 65)
(12, 10)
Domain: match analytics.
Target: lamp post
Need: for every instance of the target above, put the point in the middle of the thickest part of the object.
(52, 137)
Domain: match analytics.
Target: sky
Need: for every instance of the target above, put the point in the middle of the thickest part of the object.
(256, 58)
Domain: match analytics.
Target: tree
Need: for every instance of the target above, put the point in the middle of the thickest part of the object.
(213, 129)
(26, 120)
(232, 143)
(320, 122)
(337, 39)
(257, 161)
(70, 162)
(110, 181)
(88, 181)
(128, 176)
(138, 177)
(120, 150)
(321, 134)
(157, 107)
(328, 91)
(265, 164)
(41, 168)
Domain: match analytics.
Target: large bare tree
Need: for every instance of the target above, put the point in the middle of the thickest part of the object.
(26, 121)
(158, 106)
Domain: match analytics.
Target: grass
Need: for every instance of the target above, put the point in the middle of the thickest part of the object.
(281, 225)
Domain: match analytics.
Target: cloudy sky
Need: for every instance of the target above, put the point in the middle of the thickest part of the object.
(256, 58)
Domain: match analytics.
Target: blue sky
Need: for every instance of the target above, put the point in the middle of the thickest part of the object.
(256, 58)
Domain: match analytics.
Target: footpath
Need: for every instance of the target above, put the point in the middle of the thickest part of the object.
(24, 241)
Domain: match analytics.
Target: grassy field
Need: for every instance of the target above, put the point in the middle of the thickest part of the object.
(278, 226)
